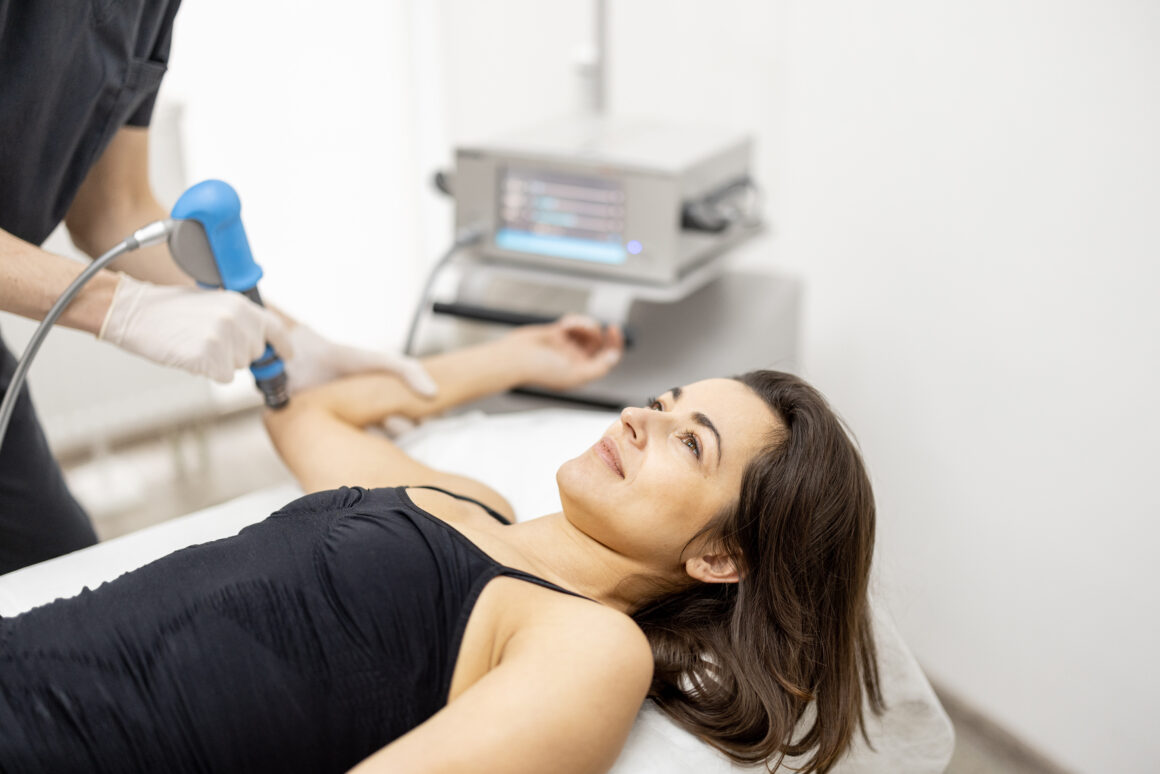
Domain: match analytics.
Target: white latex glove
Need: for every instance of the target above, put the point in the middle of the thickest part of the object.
(207, 332)
(317, 360)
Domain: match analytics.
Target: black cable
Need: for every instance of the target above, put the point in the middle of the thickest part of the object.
(466, 237)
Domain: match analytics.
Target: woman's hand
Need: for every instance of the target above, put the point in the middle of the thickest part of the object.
(567, 353)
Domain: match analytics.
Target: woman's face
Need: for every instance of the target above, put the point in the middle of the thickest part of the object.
(662, 472)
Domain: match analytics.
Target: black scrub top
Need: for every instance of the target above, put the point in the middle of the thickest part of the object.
(72, 72)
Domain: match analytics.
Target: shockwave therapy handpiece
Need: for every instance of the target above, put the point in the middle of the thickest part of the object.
(209, 243)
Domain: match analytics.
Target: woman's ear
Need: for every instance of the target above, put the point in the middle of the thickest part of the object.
(713, 568)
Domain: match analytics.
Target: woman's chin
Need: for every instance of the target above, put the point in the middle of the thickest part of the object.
(581, 477)
(569, 475)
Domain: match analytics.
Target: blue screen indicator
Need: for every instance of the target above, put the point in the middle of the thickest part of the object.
(562, 216)
(560, 246)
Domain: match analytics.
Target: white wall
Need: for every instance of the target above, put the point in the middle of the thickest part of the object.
(309, 112)
(970, 192)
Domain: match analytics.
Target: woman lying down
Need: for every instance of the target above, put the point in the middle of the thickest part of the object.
(712, 555)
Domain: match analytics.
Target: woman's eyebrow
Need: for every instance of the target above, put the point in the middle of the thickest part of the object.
(702, 420)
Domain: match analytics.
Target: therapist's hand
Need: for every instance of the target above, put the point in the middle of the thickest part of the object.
(572, 351)
(208, 332)
(318, 360)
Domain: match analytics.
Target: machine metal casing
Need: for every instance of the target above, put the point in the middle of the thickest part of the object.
(658, 168)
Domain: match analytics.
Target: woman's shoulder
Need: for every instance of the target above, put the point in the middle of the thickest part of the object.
(568, 624)
(600, 646)
(540, 628)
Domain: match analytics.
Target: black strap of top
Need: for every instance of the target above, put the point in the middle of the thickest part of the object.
(494, 514)
(504, 569)
(512, 572)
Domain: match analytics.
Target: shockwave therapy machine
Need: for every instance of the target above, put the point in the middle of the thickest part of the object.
(208, 242)
(629, 221)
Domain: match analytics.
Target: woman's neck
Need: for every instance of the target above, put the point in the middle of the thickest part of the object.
(554, 549)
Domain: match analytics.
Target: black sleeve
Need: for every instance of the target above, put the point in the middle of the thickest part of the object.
(153, 47)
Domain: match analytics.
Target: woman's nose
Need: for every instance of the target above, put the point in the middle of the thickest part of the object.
(634, 420)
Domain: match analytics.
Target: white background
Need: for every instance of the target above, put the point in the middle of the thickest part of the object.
(969, 191)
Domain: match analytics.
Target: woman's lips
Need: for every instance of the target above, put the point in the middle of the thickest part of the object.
(606, 450)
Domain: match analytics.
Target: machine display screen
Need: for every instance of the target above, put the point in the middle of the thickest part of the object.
(562, 216)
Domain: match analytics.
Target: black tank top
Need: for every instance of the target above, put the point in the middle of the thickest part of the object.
(305, 643)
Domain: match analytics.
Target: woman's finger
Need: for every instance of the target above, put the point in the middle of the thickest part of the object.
(599, 364)
(614, 337)
(582, 331)
(572, 321)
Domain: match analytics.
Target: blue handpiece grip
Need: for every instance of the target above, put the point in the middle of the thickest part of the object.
(270, 375)
(268, 366)
(216, 206)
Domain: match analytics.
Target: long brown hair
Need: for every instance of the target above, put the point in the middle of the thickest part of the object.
(738, 664)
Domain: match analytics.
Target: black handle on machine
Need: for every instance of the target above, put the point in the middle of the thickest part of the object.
(502, 316)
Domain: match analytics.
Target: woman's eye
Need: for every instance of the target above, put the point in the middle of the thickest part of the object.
(655, 405)
(691, 441)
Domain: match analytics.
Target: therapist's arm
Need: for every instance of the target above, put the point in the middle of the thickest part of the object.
(320, 434)
(32, 279)
(115, 200)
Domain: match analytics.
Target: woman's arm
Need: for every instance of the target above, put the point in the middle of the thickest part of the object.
(320, 435)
